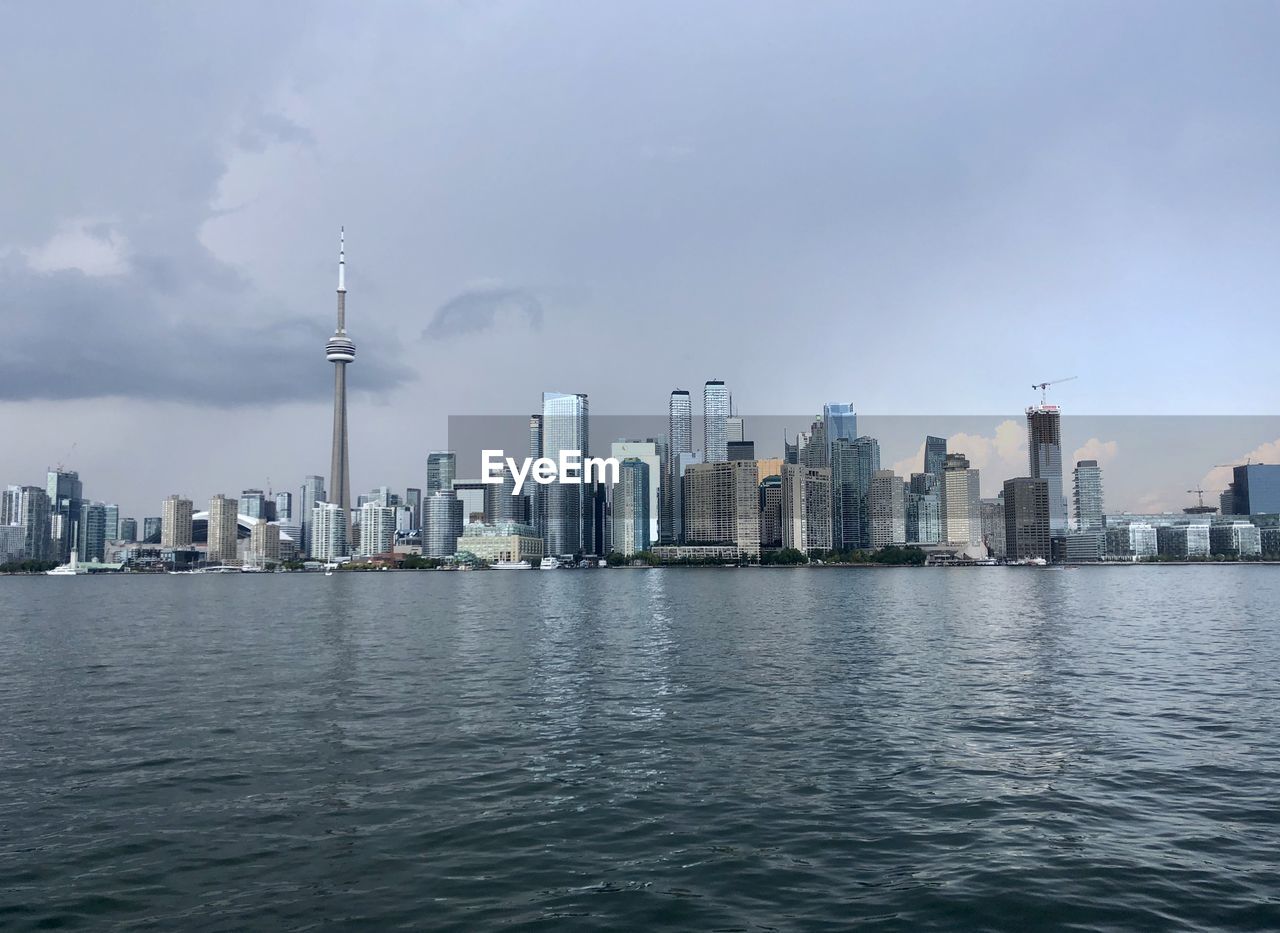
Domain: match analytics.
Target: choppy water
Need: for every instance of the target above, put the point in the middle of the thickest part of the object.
(682, 749)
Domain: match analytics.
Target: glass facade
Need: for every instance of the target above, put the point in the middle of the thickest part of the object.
(839, 420)
(564, 428)
(1257, 488)
(935, 454)
(442, 470)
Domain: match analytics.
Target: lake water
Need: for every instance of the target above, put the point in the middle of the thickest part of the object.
(905, 749)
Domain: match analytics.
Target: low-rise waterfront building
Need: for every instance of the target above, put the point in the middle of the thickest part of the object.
(1085, 546)
(1183, 542)
(1235, 539)
(1131, 541)
(674, 554)
(502, 541)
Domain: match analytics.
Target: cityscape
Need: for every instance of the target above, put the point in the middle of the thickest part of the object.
(674, 501)
(569, 466)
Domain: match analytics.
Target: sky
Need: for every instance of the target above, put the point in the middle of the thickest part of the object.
(921, 208)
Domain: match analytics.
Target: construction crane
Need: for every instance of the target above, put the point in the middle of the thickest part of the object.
(1199, 494)
(67, 459)
(1043, 386)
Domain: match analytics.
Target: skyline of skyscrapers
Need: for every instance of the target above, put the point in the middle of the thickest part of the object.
(692, 497)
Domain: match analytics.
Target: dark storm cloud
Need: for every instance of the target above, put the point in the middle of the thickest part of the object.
(480, 309)
(74, 336)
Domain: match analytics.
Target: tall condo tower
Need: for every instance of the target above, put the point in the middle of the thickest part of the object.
(1044, 449)
(715, 422)
(340, 351)
(679, 441)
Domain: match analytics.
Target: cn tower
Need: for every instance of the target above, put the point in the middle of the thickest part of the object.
(340, 351)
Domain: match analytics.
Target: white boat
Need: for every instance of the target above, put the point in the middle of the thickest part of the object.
(511, 565)
(549, 563)
(71, 568)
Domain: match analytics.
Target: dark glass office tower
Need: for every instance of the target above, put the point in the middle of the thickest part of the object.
(66, 498)
(1026, 518)
(935, 454)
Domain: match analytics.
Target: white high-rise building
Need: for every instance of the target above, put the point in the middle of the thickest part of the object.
(328, 531)
(715, 422)
(1088, 496)
(377, 529)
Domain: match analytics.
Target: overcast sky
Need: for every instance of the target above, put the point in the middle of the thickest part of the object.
(920, 208)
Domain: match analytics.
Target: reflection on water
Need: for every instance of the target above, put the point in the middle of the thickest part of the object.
(677, 749)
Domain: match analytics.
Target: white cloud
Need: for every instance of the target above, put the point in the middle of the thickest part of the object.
(1217, 479)
(1094, 449)
(999, 456)
(85, 245)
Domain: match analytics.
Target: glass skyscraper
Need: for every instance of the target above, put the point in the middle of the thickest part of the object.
(442, 470)
(839, 421)
(935, 454)
(564, 428)
(311, 494)
(66, 497)
(92, 531)
(1257, 488)
(853, 463)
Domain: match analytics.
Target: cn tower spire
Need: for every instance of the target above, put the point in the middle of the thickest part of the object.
(342, 259)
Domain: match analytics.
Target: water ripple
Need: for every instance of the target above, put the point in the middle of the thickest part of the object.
(716, 750)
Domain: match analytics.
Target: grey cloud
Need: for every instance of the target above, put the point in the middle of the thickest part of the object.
(479, 309)
(263, 129)
(73, 336)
